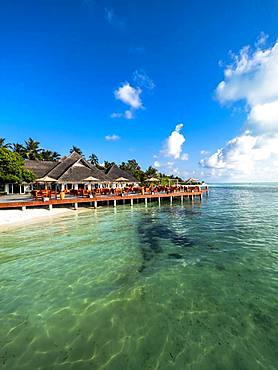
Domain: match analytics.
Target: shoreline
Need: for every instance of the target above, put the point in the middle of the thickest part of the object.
(15, 217)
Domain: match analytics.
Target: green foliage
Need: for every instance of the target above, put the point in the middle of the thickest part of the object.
(76, 149)
(48, 155)
(12, 168)
(93, 159)
(32, 149)
(108, 165)
(133, 167)
(3, 144)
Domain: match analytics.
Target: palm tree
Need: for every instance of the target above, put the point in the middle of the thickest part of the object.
(32, 149)
(76, 149)
(94, 159)
(108, 165)
(3, 144)
(48, 155)
(19, 148)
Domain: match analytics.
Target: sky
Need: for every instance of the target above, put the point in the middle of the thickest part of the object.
(190, 87)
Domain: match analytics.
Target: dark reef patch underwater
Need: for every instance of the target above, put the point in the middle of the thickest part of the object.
(190, 286)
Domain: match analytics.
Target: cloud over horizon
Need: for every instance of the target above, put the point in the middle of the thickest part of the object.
(173, 150)
(252, 78)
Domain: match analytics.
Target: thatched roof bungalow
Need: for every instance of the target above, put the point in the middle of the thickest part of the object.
(116, 172)
(69, 173)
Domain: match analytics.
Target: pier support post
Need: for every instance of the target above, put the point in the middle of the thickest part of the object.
(115, 203)
(95, 204)
(76, 206)
(131, 202)
(181, 199)
(50, 207)
(171, 200)
(159, 201)
(23, 208)
(146, 202)
(108, 202)
(123, 201)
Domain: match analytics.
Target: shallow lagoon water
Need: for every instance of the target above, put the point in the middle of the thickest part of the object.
(192, 286)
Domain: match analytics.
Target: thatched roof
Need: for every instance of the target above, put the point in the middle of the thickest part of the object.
(39, 168)
(64, 165)
(72, 169)
(192, 181)
(77, 173)
(115, 172)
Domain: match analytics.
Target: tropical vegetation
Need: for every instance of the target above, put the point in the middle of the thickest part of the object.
(12, 168)
(32, 150)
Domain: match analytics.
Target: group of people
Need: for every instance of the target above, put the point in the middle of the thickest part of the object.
(45, 193)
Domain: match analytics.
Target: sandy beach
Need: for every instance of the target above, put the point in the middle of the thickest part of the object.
(18, 217)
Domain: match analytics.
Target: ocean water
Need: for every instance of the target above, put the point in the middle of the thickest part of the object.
(192, 286)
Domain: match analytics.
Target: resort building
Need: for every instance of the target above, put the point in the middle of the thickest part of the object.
(71, 172)
(115, 173)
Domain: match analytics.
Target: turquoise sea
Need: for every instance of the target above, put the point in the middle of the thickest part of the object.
(192, 286)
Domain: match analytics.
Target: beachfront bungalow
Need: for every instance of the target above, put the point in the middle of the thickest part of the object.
(69, 173)
(121, 178)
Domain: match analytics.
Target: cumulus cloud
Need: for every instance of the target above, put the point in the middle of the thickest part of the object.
(252, 78)
(171, 155)
(174, 143)
(131, 95)
(113, 137)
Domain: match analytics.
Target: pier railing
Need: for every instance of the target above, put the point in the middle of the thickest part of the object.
(104, 199)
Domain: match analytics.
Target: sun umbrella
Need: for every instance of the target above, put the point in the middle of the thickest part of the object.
(153, 179)
(91, 178)
(121, 179)
(46, 179)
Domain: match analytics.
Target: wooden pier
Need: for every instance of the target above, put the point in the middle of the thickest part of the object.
(103, 200)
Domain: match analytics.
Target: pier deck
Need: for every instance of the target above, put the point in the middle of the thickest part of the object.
(99, 199)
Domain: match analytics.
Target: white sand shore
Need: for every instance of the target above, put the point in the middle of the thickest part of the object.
(17, 217)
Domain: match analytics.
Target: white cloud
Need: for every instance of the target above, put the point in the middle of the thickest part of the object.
(265, 116)
(171, 156)
(174, 143)
(253, 79)
(112, 137)
(129, 114)
(129, 95)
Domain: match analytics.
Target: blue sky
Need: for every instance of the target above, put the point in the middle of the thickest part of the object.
(63, 64)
